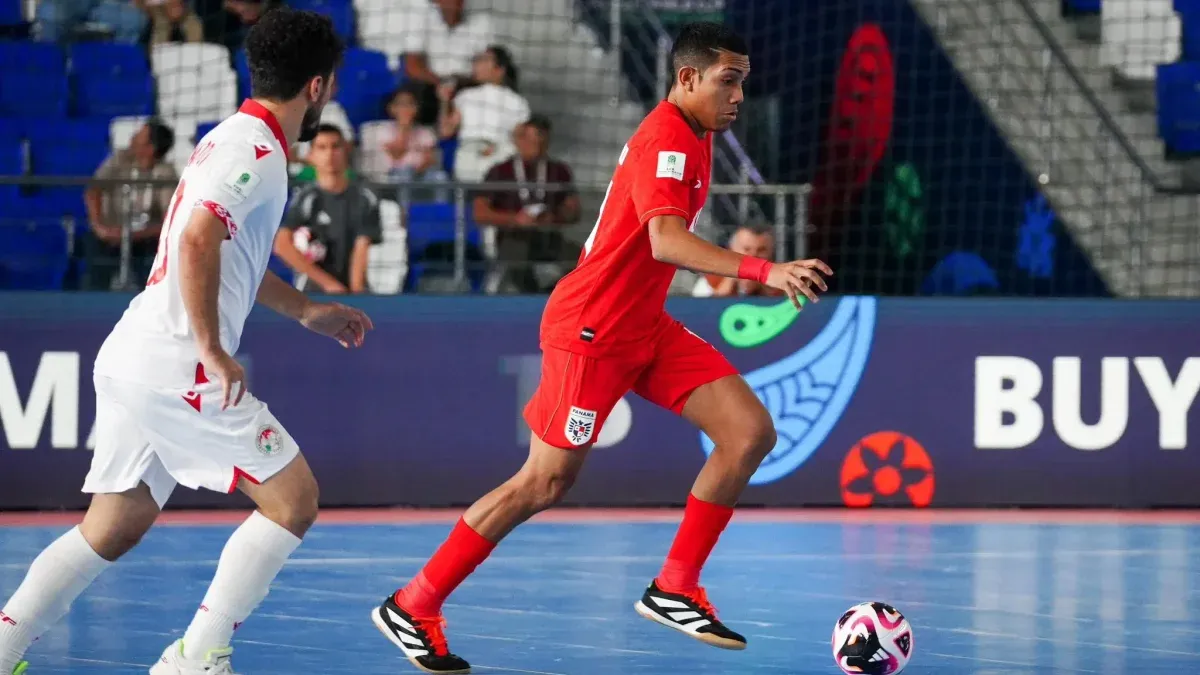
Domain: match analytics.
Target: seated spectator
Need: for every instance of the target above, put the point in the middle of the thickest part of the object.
(59, 20)
(330, 224)
(410, 151)
(227, 21)
(531, 256)
(484, 115)
(128, 205)
(440, 42)
(173, 21)
(747, 240)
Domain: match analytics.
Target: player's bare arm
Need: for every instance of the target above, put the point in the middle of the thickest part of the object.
(671, 242)
(285, 249)
(347, 325)
(199, 283)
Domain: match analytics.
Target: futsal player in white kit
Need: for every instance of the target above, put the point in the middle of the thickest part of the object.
(171, 405)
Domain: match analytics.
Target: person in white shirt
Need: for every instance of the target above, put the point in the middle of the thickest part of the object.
(484, 115)
(442, 39)
(171, 402)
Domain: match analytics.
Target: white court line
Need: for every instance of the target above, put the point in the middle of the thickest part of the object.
(102, 662)
(1078, 643)
(514, 670)
(619, 650)
(742, 558)
(1031, 666)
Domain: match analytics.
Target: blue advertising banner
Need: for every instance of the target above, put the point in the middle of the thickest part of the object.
(877, 402)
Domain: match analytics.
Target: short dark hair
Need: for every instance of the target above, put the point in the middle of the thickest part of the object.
(539, 122)
(287, 48)
(698, 43)
(161, 137)
(330, 129)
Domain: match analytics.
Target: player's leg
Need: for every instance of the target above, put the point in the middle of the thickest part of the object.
(565, 415)
(129, 487)
(250, 561)
(693, 379)
(244, 447)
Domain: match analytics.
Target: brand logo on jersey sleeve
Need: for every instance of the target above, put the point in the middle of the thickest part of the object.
(670, 165)
(261, 150)
(240, 183)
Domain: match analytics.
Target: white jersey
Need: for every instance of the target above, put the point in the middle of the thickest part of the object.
(238, 172)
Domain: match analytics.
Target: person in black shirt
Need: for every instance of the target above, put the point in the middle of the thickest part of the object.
(330, 224)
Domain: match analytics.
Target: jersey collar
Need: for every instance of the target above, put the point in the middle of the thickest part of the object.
(255, 109)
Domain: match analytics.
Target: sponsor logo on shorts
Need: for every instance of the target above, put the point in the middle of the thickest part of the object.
(581, 424)
(269, 440)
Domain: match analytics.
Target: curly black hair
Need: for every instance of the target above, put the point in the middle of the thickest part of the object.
(287, 48)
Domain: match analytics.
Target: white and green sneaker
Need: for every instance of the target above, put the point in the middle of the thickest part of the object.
(20, 668)
(216, 662)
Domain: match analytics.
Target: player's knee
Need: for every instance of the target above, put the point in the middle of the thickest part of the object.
(546, 488)
(758, 438)
(113, 540)
(297, 513)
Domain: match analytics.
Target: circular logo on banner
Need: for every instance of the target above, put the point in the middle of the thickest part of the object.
(887, 467)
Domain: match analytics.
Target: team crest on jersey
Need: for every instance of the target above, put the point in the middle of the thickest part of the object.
(269, 440)
(581, 424)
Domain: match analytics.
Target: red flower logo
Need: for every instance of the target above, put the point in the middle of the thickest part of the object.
(887, 468)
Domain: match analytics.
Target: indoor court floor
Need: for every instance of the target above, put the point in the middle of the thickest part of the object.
(986, 593)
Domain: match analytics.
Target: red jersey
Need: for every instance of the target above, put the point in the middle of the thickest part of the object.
(614, 299)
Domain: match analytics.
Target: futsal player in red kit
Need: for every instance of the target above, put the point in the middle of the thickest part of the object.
(605, 332)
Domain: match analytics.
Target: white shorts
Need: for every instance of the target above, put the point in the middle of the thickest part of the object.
(165, 437)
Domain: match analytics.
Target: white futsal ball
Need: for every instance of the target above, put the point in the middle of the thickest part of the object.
(873, 639)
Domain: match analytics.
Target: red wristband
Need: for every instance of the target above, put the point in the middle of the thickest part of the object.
(754, 269)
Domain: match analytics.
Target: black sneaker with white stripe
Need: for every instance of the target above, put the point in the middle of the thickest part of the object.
(422, 640)
(688, 613)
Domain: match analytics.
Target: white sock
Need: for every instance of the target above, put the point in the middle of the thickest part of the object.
(251, 559)
(57, 576)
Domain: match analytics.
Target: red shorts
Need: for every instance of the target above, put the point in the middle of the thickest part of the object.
(576, 392)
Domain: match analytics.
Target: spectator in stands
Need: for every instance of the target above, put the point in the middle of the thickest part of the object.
(410, 150)
(330, 224)
(227, 21)
(60, 20)
(530, 253)
(747, 240)
(139, 207)
(484, 115)
(173, 21)
(442, 40)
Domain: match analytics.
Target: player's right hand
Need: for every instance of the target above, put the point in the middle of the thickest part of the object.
(798, 278)
(229, 372)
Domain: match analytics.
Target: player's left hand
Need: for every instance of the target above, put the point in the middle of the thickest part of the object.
(347, 325)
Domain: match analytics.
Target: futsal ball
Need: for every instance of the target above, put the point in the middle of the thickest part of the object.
(872, 639)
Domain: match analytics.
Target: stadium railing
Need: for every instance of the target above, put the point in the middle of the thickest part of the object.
(421, 237)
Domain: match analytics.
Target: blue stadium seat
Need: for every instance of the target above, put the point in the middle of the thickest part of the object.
(1084, 6)
(431, 226)
(340, 12)
(280, 268)
(97, 95)
(364, 83)
(243, 73)
(1178, 88)
(33, 254)
(203, 128)
(31, 57)
(69, 132)
(33, 94)
(10, 13)
(108, 59)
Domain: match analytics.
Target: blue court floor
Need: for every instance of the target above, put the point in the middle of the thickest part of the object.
(557, 598)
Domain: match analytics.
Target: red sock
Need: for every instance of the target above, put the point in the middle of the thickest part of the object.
(453, 562)
(702, 525)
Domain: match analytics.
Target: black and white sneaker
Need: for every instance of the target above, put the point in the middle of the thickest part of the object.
(422, 640)
(688, 613)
